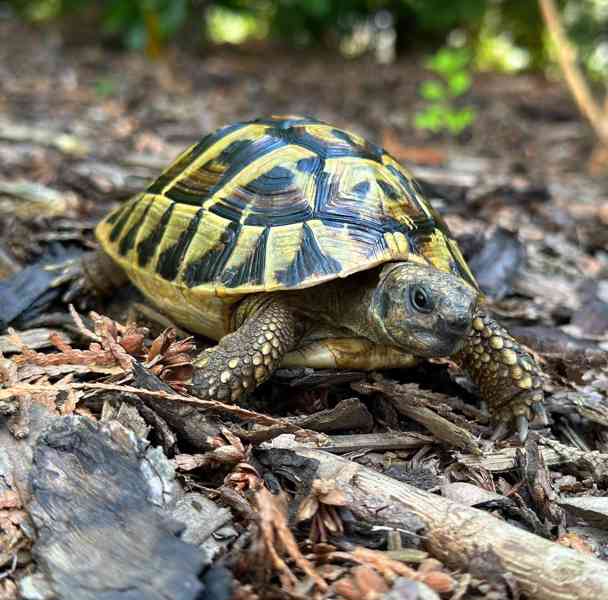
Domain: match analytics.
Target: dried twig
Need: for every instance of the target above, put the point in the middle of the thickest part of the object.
(213, 405)
(410, 400)
(276, 535)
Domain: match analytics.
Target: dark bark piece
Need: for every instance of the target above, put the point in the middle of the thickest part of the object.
(538, 479)
(190, 422)
(410, 401)
(30, 291)
(498, 262)
(348, 414)
(99, 533)
(310, 378)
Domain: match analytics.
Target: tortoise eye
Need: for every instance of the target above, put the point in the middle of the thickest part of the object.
(420, 298)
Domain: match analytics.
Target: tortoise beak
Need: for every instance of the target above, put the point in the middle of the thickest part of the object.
(456, 326)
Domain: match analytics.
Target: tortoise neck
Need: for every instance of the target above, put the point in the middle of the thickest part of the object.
(347, 303)
(342, 303)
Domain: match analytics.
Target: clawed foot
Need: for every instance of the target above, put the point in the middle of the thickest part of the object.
(508, 377)
(521, 422)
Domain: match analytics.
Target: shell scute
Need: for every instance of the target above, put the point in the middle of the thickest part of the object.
(271, 204)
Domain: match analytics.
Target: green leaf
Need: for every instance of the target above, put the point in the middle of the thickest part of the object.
(432, 90)
(459, 83)
(447, 61)
(431, 118)
(458, 121)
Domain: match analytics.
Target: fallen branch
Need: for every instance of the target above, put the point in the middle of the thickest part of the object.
(458, 534)
(366, 442)
(590, 462)
(349, 413)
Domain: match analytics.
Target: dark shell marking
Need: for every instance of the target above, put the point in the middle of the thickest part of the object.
(277, 203)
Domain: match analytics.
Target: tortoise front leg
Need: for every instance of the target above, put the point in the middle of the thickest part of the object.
(246, 358)
(509, 379)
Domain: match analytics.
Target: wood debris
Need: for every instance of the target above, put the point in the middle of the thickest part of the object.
(269, 508)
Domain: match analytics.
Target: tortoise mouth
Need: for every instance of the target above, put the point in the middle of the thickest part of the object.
(427, 345)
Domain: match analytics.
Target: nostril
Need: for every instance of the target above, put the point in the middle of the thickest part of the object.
(458, 324)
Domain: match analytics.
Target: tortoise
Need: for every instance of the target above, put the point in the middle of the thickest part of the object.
(296, 243)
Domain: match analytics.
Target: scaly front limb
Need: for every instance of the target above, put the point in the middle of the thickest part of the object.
(244, 359)
(509, 379)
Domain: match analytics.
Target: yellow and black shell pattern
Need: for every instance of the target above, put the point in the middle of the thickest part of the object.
(278, 203)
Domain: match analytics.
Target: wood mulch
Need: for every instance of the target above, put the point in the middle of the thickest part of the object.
(114, 482)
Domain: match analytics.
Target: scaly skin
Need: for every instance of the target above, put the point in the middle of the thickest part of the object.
(267, 326)
(508, 377)
(93, 273)
(101, 273)
(244, 359)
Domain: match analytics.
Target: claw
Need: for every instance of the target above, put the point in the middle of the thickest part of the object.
(540, 411)
(500, 432)
(522, 427)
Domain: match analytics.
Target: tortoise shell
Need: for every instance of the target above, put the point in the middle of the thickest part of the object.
(280, 203)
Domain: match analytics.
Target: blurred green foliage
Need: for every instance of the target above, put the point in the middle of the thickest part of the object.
(501, 33)
(453, 79)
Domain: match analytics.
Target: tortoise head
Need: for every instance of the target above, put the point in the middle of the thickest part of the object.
(421, 309)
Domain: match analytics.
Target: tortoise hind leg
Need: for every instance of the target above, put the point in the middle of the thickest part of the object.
(244, 359)
(101, 273)
(91, 273)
